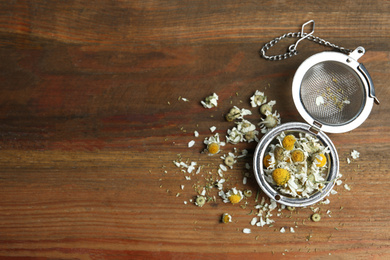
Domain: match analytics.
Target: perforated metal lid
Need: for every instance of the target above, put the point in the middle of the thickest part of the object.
(333, 92)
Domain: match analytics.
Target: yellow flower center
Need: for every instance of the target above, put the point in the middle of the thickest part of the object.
(288, 142)
(235, 198)
(280, 176)
(267, 161)
(226, 218)
(298, 156)
(213, 148)
(320, 162)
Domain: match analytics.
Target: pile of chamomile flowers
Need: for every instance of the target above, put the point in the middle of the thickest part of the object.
(242, 131)
(296, 164)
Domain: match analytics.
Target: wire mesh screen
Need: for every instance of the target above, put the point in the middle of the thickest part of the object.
(332, 93)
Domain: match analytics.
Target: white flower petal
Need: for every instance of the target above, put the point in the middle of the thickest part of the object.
(320, 101)
(246, 231)
(223, 167)
(253, 221)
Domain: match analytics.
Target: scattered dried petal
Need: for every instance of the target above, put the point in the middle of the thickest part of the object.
(246, 231)
(191, 143)
(355, 154)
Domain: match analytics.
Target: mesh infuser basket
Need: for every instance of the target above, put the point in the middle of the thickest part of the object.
(336, 84)
(271, 191)
(333, 93)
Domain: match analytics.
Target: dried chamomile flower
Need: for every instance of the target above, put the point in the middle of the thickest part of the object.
(298, 156)
(268, 161)
(213, 148)
(233, 196)
(233, 114)
(234, 136)
(290, 208)
(251, 136)
(316, 217)
(320, 160)
(280, 176)
(269, 122)
(245, 126)
(226, 218)
(200, 201)
(210, 101)
(248, 193)
(288, 142)
(258, 99)
(213, 144)
(248, 130)
(266, 109)
(229, 159)
(279, 153)
(236, 113)
(244, 131)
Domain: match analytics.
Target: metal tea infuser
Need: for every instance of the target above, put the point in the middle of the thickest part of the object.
(333, 92)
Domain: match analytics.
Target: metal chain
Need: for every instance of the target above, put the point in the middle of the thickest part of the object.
(292, 49)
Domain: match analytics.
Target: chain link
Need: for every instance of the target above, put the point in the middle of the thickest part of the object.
(292, 49)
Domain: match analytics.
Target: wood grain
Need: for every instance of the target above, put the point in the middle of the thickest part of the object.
(91, 119)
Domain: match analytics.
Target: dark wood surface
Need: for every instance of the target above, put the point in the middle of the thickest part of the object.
(91, 119)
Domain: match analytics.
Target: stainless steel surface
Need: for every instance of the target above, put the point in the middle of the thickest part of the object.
(338, 79)
(292, 50)
(336, 84)
(303, 35)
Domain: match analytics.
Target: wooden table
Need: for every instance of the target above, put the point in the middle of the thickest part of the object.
(93, 114)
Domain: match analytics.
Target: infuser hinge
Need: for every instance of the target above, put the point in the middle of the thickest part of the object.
(315, 128)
